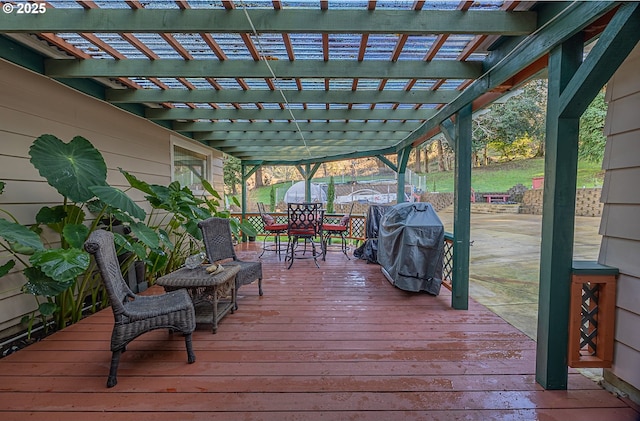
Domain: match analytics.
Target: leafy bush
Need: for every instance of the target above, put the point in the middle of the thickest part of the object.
(59, 273)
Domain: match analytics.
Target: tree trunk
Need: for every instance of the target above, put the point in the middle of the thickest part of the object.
(418, 161)
(442, 165)
(426, 158)
(258, 174)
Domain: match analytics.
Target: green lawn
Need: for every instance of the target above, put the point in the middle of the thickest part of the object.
(501, 177)
(494, 178)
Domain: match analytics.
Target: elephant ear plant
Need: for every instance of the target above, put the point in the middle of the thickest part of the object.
(175, 214)
(55, 265)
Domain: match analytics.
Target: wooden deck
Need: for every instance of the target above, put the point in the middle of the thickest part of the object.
(335, 343)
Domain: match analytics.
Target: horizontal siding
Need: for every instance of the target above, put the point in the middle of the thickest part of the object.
(32, 105)
(630, 285)
(622, 254)
(625, 82)
(617, 219)
(625, 364)
(622, 186)
(621, 151)
(625, 112)
(619, 226)
(628, 328)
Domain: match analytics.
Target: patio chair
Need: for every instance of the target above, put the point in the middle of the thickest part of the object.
(341, 229)
(305, 222)
(137, 314)
(218, 243)
(272, 228)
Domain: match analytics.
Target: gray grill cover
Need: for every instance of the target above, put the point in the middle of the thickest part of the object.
(410, 247)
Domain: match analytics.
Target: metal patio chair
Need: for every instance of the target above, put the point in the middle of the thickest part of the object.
(340, 229)
(271, 227)
(305, 222)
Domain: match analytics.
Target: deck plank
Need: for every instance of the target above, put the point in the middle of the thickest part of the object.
(335, 343)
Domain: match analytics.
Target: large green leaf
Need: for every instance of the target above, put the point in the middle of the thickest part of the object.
(209, 188)
(16, 233)
(53, 215)
(145, 234)
(47, 309)
(116, 198)
(248, 229)
(56, 217)
(164, 237)
(38, 283)
(109, 213)
(4, 269)
(75, 234)
(136, 183)
(71, 168)
(61, 264)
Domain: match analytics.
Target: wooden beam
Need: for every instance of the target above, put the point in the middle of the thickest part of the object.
(307, 21)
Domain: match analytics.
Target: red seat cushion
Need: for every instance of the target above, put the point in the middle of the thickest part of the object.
(302, 231)
(276, 227)
(333, 227)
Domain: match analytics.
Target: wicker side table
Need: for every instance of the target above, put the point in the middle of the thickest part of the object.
(213, 296)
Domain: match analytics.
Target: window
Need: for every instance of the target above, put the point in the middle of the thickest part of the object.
(189, 167)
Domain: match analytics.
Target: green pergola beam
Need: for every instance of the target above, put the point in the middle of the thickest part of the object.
(239, 96)
(273, 21)
(296, 143)
(294, 149)
(505, 61)
(613, 46)
(447, 128)
(348, 69)
(387, 162)
(369, 126)
(269, 114)
(288, 138)
(319, 158)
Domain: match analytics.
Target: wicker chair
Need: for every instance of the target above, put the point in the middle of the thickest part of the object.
(218, 243)
(136, 314)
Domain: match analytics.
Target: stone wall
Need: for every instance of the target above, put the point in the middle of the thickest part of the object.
(587, 202)
(439, 201)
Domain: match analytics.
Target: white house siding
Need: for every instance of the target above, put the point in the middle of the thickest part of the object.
(620, 226)
(31, 105)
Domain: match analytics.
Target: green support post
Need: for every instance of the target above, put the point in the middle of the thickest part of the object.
(243, 203)
(558, 217)
(462, 209)
(307, 183)
(403, 159)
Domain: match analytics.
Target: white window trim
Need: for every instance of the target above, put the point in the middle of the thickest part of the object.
(194, 147)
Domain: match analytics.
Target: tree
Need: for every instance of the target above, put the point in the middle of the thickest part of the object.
(442, 165)
(591, 140)
(258, 175)
(272, 198)
(515, 128)
(232, 174)
(331, 195)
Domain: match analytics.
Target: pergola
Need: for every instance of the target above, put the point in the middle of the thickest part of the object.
(278, 82)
